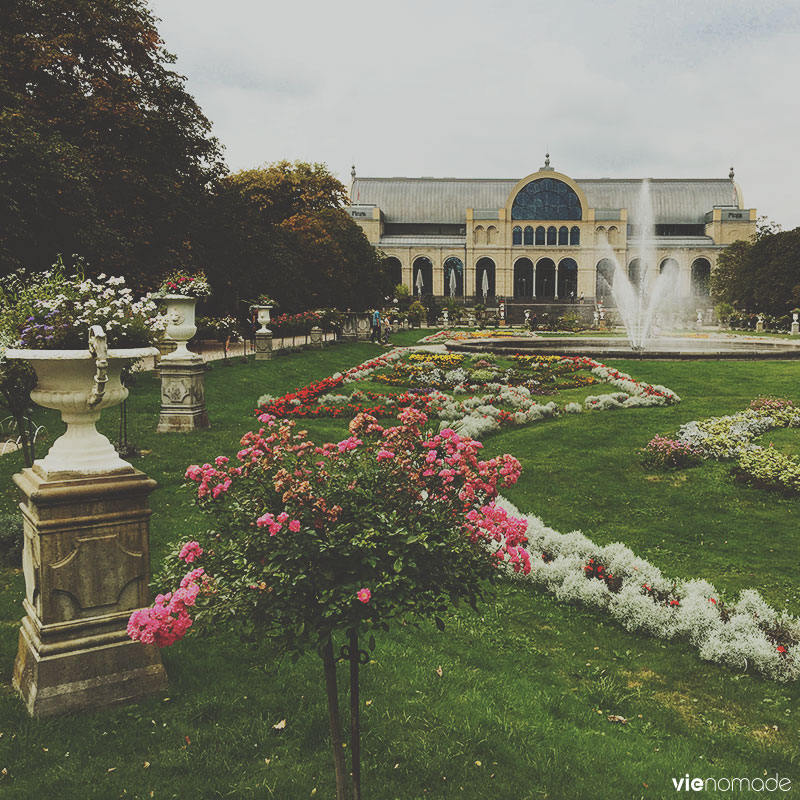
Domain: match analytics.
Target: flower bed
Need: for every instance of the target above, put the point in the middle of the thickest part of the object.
(731, 437)
(488, 406)
(744, 634)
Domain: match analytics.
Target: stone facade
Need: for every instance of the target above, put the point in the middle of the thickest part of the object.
(534, 252)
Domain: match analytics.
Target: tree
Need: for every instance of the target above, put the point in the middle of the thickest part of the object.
(103, 151)
(732, 281)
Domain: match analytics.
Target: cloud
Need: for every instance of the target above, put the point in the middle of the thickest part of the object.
(626, 88)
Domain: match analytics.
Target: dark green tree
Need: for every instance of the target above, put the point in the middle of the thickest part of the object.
(102, 150)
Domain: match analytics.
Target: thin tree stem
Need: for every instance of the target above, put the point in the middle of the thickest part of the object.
(335, 720)
(355, 716)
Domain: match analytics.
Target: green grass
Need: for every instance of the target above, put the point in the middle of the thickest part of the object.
(522, 680)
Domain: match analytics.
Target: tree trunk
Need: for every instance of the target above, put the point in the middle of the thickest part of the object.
(355, 716)
(335, 720)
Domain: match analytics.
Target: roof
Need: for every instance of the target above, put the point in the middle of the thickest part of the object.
(445, 200)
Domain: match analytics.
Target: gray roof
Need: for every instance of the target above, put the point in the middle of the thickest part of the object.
(445, 200)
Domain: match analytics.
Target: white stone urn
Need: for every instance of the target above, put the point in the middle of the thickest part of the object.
(180, 325)
(80, 385)
(262, 315)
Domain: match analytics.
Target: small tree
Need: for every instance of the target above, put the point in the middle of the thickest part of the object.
(314, 543)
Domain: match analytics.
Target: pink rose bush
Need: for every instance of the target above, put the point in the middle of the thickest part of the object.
(300, 530)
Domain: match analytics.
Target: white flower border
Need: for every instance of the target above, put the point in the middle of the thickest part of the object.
(739, 642)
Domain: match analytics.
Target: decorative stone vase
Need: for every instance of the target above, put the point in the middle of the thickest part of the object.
(75, 383)
(180, 325)
(262, 315)
(795, 324)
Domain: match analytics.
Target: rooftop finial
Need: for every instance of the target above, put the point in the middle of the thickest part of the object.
(353, 172)
(730, 174)
(547, 159)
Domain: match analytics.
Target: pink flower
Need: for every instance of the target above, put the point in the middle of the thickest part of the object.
(294, 525)
(364, 595)
(190, 551)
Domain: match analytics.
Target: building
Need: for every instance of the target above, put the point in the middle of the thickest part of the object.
(546, 238)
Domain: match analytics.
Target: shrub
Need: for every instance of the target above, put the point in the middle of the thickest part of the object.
(11, 539)
(664, 453)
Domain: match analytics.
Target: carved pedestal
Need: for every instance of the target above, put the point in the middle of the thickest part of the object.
(183, 396)
(263, 346)
(795, 328)
(317, 338)
(86, 562)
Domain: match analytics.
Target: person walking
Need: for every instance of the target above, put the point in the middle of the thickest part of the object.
(375, 333)
(387, 330)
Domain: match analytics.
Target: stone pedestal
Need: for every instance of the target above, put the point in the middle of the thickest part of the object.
(183, 396)
(263, 346)
(317, 338)
(795, 328)
(760, 326)
(86, 562)
(165, 347)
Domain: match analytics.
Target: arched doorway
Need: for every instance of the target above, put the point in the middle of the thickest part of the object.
(523, 278)
(701, 275)
(422, 274)
(567, 279)
(453, 277)
(670, 266)
(545, 278)
(484, 278)
(394, 269)
(636, 273)
(604, 279)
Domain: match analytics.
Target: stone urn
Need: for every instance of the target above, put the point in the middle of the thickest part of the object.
(80, 384)
(795, 324)
(180, 325)
(262, 315)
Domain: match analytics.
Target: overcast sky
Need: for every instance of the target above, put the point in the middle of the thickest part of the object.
(620, 88)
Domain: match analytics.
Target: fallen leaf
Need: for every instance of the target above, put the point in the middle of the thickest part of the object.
(477, 763)
(267, 760)
(439, 671)
(396, 766)
(313, 791)
(617, 718)
(111, 769)
(146, 764)
(188, 740)
(279, 726)
(368, 703)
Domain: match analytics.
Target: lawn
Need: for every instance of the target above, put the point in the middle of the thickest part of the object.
(521, 707)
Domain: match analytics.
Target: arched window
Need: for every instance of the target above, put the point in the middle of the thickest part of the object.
(568, 278)
(528, 234)
(612, 234)
(546, 198)
(701, 273)
(563, 235)
(453, 277)
(552, 235)
(635, 273)
(670, 266)
(545, 277)
(575, 235)
(604, 279)
(491, 234)
(540, 235)
(394, 269)
(423, 276)
(484, 278)
(480, 235)
(523, 278)
(516, 235)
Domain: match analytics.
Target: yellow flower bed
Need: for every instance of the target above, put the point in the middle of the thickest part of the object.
(440, 359)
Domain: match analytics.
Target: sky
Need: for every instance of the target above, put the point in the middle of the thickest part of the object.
(618, 89)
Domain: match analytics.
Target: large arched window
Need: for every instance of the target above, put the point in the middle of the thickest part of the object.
(568, 278)
(528, 234)
(540, 235)
(484, 278)
(453, 277)
(604, 280)
(636, 273)
(423, 276)
(563, 235)
(668, 265)
(575, 235)
(546, 198)
(701, 274)
(394, 269)
(545, 277)
(516, 235)
(523, 278)
(552, 235)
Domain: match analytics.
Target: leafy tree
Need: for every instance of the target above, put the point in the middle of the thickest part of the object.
(102, 151)
(732, 281)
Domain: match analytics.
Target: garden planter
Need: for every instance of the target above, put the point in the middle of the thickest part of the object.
(263, 317)
(86, 546)
(180, 325)
(66, 380)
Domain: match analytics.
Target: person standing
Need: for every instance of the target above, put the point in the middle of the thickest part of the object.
(375, 334)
